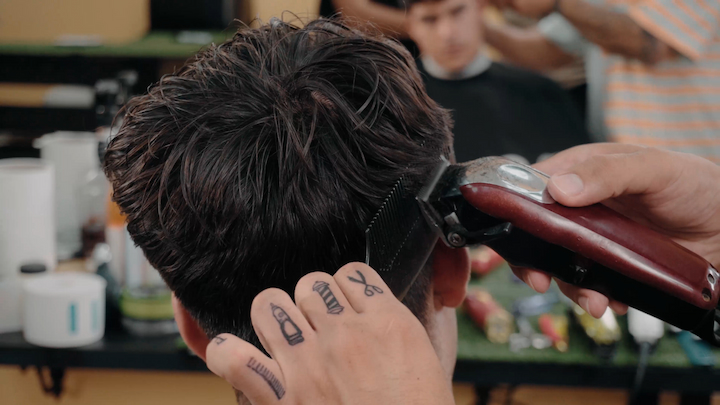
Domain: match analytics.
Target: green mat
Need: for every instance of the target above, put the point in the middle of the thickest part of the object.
(472, 344)
(157, 44)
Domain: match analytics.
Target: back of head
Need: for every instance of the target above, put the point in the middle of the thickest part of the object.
(264, 158)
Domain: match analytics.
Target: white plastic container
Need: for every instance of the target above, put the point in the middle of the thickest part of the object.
(64, 309)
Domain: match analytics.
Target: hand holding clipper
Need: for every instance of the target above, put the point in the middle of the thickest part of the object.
(675, 194)
(507, 206)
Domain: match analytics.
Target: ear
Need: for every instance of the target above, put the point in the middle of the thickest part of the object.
(191, 332)
(451, 272)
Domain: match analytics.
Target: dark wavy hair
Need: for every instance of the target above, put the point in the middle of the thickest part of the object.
(264, 159)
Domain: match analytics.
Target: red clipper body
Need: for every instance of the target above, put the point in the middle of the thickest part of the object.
(504, 205)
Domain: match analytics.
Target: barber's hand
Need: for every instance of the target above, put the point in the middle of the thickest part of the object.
(674, 193)
(345, 340)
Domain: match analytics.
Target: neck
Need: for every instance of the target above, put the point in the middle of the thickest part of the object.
(477, 66)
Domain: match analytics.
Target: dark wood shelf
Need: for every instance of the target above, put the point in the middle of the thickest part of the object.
(117, 350)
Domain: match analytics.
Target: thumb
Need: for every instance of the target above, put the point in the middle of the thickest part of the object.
(601, 177)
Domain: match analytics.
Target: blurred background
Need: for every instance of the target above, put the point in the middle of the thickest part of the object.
(535, 83)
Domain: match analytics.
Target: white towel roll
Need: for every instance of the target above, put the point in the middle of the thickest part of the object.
(74, 155)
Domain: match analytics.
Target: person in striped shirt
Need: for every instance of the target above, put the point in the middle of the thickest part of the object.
(653, 66)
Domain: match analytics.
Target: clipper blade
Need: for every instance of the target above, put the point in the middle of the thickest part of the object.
(399, 240)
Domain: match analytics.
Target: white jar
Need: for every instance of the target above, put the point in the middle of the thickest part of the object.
(64, 309)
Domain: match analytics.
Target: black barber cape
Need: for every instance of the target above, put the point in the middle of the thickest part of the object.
(507, 110)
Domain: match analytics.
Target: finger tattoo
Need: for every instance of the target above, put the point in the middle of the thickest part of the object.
(370, 289)
(218, 340)
(332, 304)
(289, 329)
(268, 376)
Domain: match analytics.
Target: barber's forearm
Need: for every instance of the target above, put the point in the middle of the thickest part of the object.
(613, 31)
(391, 21)
(526, 47)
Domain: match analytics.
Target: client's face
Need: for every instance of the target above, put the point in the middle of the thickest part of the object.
(448, 31)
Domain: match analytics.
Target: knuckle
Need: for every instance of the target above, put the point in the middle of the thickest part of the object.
(651, 150)
(348, 344)
(398, 322)
(650, 155)
(597, 164)
(385, 333)
(602, 170)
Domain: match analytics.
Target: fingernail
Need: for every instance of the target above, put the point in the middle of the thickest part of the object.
(583, 302)
(570, 184)
(530, 283)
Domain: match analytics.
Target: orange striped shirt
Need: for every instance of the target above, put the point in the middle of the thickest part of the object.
(674, 104)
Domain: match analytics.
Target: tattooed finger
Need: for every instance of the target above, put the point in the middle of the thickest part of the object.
(321, 301)
(289, 329)
(370, 289)
(281, 327)
(332, 304)
(268, 376)
(364, 288)
(247, 369)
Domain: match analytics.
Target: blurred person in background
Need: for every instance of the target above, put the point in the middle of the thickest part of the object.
(653, 66)
(498, 109)
(570, 75)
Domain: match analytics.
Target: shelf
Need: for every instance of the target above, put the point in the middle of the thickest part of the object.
(44, 120)
(117, 350)
(157, 44)
(479, 361)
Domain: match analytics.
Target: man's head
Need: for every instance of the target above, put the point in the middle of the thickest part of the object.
(448, 31)
(264, 159)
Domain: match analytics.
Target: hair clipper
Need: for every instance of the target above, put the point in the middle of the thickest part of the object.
(504, 205)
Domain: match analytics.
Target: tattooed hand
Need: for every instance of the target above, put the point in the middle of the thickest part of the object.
(337, 344)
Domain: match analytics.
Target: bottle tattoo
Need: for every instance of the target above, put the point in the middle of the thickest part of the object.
(290, 331)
